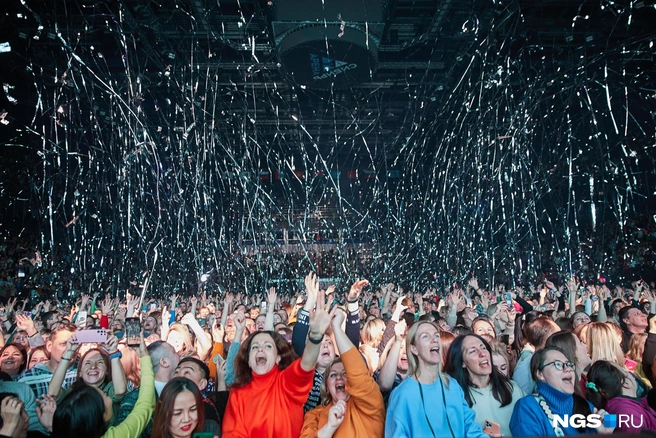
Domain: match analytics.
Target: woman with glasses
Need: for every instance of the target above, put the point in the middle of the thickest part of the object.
(429, 403)
(554, 395)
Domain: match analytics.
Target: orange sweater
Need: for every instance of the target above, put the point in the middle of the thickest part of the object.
(365, 410)
(271, 406)
(218, 349)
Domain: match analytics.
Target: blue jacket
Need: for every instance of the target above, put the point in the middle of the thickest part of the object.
(406, 417)
(528, 418)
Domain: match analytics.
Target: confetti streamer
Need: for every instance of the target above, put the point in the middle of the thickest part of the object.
(525, 153)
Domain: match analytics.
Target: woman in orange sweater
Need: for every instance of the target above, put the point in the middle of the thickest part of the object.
(352, 405)
(271, 387)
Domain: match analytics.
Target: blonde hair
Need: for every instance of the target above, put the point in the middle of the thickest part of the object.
(636, 344)
(603, 344)
(372, 332)
(413, 359)
(182, 330)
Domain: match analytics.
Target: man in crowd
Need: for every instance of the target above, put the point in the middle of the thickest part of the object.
(38, 378)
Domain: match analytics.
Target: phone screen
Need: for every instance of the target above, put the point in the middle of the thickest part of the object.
(133, 331)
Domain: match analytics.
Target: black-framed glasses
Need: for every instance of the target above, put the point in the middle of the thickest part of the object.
(560, 365)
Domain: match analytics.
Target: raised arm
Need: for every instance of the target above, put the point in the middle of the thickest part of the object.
(353, 307)
(55, 386)
(118, 374)
(319, 323)
(204, 340)
(272, 297)
(388, 371)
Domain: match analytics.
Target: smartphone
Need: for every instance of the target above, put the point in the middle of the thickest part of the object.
(264, 305)
(508, 299)
(81, 320)
(203, 435)
(133, 331)
(218, 360)
(492, 428)
(630, 364)
(96, 336)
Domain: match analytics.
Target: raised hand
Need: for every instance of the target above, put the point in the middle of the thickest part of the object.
(111, 344)
(356, 289)
(25, 323)
(217, 331)
(272, 297)
(399, 329)
(71, 347)
(337, 318)
(572, 285)
(142, 350)
(473, 283)
(240, 321)
(106, 305)
(319, 323)
(189, 319)
(45, 410)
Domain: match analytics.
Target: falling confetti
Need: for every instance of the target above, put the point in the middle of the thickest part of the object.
(533, 157)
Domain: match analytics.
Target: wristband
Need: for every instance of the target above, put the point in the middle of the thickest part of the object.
(352, 301)
(315, 341)
(65, 358)
(116, 355)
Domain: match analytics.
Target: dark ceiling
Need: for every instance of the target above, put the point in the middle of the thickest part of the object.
(514, 128)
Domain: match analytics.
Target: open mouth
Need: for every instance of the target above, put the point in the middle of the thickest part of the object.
(484, 364)
(340, 388)
(569, 380)
(435, 350)
(325, 354)
(261, 361)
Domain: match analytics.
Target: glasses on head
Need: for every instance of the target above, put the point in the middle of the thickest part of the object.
(560, 365)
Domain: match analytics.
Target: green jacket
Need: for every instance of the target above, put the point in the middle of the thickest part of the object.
(135, 423)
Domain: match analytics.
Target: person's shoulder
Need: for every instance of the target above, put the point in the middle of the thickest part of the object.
(18, 388)
(517, 391)
(527, 402)
(37, 370)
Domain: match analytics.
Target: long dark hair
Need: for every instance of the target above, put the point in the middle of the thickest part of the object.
(80, 413)
(243, 372)
(501, 386)
(581, 406)
(608, 380)
(166, 402)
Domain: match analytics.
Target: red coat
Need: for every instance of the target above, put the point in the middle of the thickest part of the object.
(270, 406)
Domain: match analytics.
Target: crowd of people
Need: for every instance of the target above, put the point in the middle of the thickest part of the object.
(369, 360)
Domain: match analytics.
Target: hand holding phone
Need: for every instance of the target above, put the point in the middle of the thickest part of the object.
(97, 336)
(491, 428)
(133, 331)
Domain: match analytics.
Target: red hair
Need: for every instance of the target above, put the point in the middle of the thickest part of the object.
(243, 372)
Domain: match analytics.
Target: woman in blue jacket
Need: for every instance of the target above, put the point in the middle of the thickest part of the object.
(429, 403)
(555, 375)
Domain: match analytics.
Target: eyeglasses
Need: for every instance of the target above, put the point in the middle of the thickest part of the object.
(560, 365)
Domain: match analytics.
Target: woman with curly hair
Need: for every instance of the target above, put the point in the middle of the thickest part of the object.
(271, 384)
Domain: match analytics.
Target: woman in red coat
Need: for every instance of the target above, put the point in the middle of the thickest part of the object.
(271, 385)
